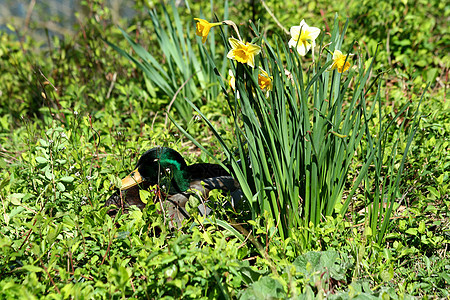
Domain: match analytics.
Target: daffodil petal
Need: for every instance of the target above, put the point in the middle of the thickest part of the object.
(234, 43)
(253, 49)
(313, 32)
(292, 43)
(264, 73)
(230, 54)
(336, 54)
(295, 31)
(251, 61)
(302, 50)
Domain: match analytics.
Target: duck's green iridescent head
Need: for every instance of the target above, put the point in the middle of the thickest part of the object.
(162, 166)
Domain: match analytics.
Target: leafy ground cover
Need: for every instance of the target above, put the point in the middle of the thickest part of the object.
(76, 114)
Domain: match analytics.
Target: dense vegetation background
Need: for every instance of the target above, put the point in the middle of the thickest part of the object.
(75, 115)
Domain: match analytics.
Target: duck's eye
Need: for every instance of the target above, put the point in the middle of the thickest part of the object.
(168, 170)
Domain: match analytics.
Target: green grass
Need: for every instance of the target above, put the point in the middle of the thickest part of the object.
(75, 115)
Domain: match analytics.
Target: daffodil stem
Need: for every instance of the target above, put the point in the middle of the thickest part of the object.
(232, 24)
(273, 17)
(326, 49)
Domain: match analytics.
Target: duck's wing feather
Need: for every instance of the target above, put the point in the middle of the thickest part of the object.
(205, 170)
(174, 209)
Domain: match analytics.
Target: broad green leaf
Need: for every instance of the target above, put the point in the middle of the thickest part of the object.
(15, 198)
(265, 288)
(67, 179)
(32, 268)
(387, 274)
(421, 228)
(144, 195)
(207, 237)
(412, 231)
(433, 191)
(41, 160)
(60, 186)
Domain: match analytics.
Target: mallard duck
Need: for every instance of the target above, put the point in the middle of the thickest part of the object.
(166, 168)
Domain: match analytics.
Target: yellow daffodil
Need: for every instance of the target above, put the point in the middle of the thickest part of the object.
(303, 37)
(203, 28)
(243, 53)
(339, 60)
(232, 82)
(264, 81)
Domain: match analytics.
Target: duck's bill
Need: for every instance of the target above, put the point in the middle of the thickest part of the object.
(131, 180)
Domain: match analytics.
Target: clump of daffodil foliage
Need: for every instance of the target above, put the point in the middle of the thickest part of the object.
(286, 102)
(298, 124)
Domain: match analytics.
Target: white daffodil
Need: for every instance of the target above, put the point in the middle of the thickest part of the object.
(303, 37)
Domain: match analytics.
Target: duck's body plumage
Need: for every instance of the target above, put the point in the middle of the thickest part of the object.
(166, 168)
